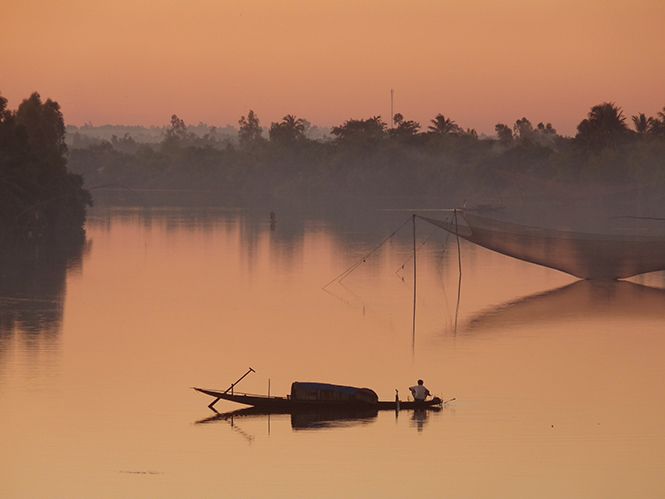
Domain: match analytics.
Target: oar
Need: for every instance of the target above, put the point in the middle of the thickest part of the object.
(239, 380)
(212, 404)
(449, 400)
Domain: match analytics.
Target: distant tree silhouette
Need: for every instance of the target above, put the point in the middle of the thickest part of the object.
(250, 131)
(45, 127)
(658, 125)
(371, 129)
(178, 129)
(545, 135)
(504, 133)
(3, 106)
(176, 136)
(548, 129)
(404, 129)
(288, 131)
(643, 125)
(605, 126)
(38, 194)
(443, 126)
(523, 130)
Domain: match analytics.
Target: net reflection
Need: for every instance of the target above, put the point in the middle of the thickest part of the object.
(581, 300)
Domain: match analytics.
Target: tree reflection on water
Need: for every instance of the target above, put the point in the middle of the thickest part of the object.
(33, 284)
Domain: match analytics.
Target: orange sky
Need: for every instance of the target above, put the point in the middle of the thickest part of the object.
(479, 62)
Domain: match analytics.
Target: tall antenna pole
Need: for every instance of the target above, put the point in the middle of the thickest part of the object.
(392, 112)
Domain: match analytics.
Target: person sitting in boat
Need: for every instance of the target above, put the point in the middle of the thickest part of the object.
(419, 392)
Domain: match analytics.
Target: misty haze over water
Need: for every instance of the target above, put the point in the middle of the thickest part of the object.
(529, 171)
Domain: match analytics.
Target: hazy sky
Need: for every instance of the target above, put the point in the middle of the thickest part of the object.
(479, 62)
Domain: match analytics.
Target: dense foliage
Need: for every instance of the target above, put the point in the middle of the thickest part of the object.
(38, 195)
(368, 159)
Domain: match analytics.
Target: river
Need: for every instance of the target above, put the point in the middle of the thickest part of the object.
(555, 386)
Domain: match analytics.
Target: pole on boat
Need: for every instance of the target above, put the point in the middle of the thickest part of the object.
(231, 388)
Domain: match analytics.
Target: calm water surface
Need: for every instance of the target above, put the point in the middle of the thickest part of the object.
(559, 385)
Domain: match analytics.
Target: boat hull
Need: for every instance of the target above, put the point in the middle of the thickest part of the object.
(287, 404)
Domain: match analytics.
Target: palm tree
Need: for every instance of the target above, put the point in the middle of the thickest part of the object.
(661, 114)
(292, 123)
(658, 126)
(443, 126)
(642, 123)
(605, 126)
(289, 130)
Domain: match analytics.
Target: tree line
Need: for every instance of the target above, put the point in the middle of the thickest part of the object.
(371, 159)
(41, 187)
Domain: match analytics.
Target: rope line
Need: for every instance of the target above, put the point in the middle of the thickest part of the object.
(353, 267)
(421, 245)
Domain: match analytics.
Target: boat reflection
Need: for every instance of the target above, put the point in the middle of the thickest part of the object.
(581, 300)
(303, 420)
(419, 419)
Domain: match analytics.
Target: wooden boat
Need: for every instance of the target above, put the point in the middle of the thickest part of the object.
(316, 396)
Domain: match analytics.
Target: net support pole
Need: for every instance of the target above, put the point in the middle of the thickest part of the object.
(415, 273)
(459, 279)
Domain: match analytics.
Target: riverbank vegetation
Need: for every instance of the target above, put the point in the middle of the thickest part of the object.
(39, 196)
(439, 164)
(368, 159)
